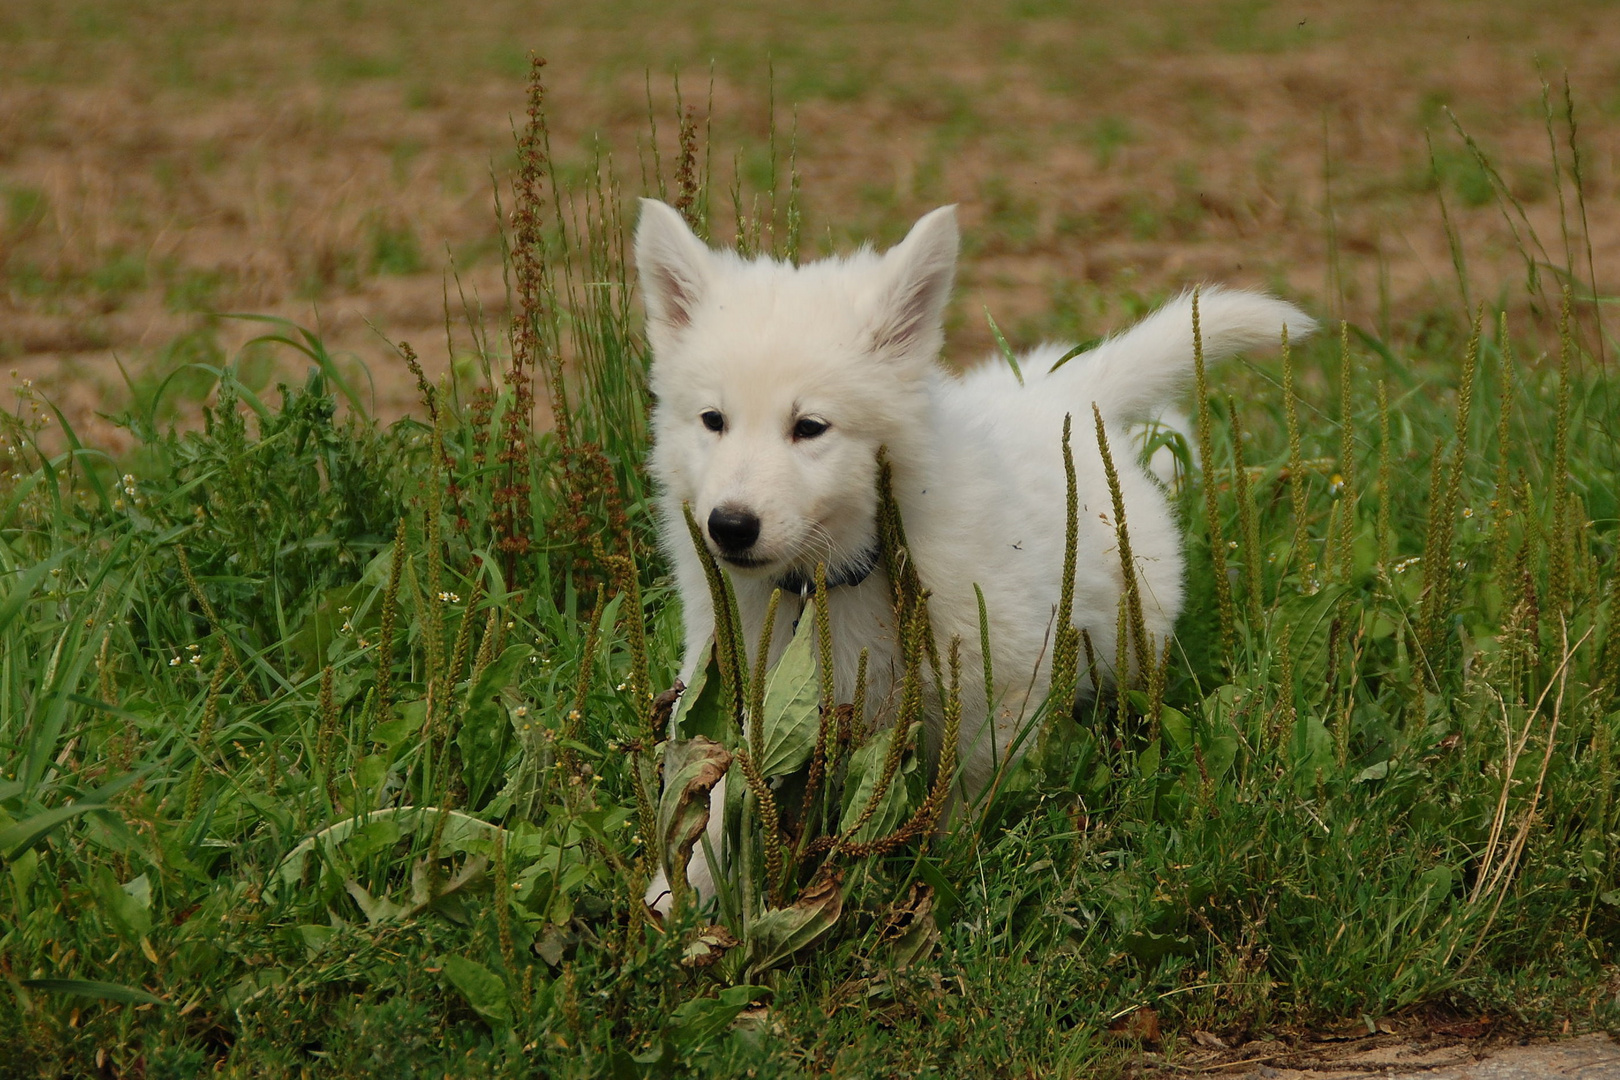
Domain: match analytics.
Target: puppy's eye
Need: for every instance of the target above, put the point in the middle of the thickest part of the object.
(713, 419)
(809, 428)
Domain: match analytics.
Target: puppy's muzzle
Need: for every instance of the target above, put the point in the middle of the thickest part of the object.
(734, 530)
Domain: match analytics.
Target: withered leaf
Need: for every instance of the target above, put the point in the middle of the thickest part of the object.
(775, 935)
(691, 769)
(707, 946)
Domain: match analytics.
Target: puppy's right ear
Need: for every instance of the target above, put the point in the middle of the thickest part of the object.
(673, 265)
(910, 316)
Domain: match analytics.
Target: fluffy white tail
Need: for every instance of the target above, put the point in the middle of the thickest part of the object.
(1134, 376)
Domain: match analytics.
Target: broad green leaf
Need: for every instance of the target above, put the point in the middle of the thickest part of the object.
(1308, 620)
(127, 907)
(484, 990)
(1220, 751)
(25, 834)
(90, 988)
(1147, 762)
(861, 777)
(1377, 771)
(313, 937)
(391, 733)
(485, 730)
(696, 1022)
(376, 908)
(700, 711)
(23, 590)
(792, 705)
(1437, 881)
(1175, 725)
(24, 868)
(1312, 750)
(463, 833)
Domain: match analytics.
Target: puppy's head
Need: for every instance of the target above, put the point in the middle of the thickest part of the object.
(775, 385)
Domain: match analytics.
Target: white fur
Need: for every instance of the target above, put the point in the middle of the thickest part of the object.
(978, 466)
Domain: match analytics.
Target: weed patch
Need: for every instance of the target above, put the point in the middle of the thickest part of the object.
(333, 747)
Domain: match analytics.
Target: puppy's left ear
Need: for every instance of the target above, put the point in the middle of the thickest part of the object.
(911, 311)
(673, 266)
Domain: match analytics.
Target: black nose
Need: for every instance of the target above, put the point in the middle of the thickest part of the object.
(733, 529)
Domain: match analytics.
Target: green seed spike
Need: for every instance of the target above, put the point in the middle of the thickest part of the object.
(1212, 514)
(756, 685)
(927, 815)
(1121, 660)
(1347, 417)
(769, 818)
(1296, 465)
(1285, 691)
(503, 904)
(1091, 660)
(326, 735)
(573, 722)
(633, 618)
(1604, 685)
(911, 701)
(1436, 545)
(1066, 643)
(1559, 539)
(1344, 557)
(458, 655)
(727, 654)
(824, 642)
(1158, 675)
(1438, 577)
(905, 585)
(857, 711)
(1132, 596)
(984, 648)
(1248, 525)
(385, 632)
(828, 718)
(205, 739)
(1385, 537)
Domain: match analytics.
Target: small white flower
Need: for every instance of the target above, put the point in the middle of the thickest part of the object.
(621, 686)
(175, 662)
(193, 648)
(1468, 511)
(196, 659)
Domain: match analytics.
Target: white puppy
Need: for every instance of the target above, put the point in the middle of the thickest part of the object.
(776, 385)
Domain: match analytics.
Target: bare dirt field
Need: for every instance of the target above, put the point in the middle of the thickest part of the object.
(163, 162)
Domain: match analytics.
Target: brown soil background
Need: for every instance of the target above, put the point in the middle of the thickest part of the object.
(327, 162)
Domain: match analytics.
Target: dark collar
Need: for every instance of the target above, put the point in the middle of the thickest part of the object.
(797, 583)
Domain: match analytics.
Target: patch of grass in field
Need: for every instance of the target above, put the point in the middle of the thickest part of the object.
(311, 761)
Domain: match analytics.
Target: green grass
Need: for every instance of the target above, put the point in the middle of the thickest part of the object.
(243, 669)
